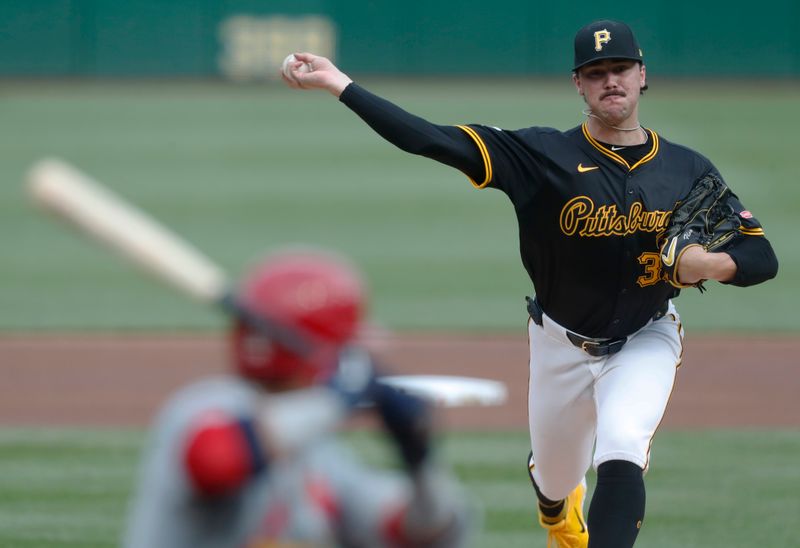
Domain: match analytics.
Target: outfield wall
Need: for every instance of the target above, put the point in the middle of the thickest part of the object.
(246, 39)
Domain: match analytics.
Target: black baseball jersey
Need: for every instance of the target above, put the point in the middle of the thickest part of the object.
(588, 213)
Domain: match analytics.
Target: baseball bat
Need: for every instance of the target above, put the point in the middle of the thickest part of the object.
(104, 216)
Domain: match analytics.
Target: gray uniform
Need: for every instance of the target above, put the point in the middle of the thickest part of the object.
(320, 496)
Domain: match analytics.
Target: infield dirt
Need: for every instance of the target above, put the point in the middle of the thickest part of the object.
(120, 380)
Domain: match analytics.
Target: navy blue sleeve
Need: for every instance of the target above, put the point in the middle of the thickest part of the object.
(755, 261)
(751, 251)
(449, 145)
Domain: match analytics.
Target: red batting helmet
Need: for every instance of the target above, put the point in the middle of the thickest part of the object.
(319, 295)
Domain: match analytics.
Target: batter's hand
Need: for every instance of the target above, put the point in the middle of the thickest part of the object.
(311, 71)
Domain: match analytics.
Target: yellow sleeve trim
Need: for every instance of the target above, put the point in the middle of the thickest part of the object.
(487, 161)
(751, 231)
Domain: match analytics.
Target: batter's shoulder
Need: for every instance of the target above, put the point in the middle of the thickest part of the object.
(218, 393)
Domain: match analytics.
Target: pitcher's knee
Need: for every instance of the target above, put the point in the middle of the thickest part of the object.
(620, 447)
(620, 469)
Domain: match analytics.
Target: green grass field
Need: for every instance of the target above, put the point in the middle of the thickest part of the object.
(725, 489)
(239, 170)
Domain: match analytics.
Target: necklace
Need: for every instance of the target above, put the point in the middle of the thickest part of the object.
(587, 112)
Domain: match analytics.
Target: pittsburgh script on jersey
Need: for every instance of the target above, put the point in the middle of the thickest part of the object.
(580, 216)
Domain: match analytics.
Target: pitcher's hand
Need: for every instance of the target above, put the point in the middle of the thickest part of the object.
(697, 265)
(311, 71)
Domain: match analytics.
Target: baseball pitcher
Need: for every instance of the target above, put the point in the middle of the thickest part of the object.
(594, 206)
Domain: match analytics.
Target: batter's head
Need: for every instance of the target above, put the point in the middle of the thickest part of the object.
(318, 294)
(605, 39)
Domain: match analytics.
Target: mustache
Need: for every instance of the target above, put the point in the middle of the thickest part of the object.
(614, 92)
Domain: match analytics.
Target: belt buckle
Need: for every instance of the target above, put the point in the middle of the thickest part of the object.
(585, 345)
(595, 349)
(605, 348)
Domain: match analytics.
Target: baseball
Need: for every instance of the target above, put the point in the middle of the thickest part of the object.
(287, 66)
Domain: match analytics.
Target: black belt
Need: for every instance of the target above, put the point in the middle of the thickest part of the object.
(593, 347)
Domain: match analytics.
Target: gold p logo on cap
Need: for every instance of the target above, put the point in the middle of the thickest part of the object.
(600, 38)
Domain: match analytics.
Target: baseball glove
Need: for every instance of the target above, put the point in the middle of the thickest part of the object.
(705, 218)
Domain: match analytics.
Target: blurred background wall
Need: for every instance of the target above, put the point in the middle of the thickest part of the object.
(245, 39)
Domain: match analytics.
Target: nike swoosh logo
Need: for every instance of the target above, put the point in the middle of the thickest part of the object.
(669, 257)
(616, 148)
(582, 169)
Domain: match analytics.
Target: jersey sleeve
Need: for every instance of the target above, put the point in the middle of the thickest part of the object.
(221, 453)
(446, 144)
(489, 157)
(751, 251)
(168, 506)
(511, 159)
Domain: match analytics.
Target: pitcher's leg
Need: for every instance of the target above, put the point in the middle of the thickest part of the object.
(632, 393)
(633, 390)
(617, 508)
(562, 425)
(561, 414)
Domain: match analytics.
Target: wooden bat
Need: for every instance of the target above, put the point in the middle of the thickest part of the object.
(96, 211)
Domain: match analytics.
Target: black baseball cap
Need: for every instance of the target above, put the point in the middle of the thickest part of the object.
(605, 39)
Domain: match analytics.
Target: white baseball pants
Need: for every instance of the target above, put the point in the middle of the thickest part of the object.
(613, 404)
